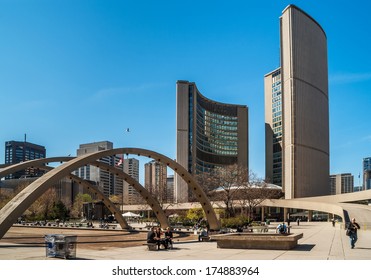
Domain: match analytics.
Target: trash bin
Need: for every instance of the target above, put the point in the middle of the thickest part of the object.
(60, 246)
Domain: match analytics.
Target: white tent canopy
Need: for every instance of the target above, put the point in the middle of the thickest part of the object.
(130, 214)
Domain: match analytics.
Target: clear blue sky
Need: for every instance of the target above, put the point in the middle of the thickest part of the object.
(74, 72)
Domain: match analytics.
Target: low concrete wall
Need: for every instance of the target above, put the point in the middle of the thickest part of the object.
(257, 240)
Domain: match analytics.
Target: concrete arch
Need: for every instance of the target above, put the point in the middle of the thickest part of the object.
(141, 190)
(31, 163)
(39, 163)
(181, 171)
(112, 207)
(151, 201)
(20, 203)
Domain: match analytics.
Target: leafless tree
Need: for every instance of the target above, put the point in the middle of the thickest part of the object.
(254, 192)
(223, 184)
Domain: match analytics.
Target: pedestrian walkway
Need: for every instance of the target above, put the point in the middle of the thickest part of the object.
(321, 241)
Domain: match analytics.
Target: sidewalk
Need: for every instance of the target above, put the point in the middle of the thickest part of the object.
(321, 241)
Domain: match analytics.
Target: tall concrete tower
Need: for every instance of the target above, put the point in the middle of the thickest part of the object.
(304, 106)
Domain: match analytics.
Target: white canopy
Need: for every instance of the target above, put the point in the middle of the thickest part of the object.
(130, 214)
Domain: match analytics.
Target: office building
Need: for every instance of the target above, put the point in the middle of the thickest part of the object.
(367, 173)
(297, 111)
(170, 189)
(16, 152)
(155, 180)
(273, 127)
(342, 183)
(210, 134)
(107, 182)
(130, 195)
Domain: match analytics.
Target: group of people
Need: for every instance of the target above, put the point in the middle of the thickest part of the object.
(154, 236)
(281, 228)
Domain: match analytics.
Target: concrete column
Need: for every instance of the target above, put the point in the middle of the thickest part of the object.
(262, 213)
(285, 212)
(310, 214)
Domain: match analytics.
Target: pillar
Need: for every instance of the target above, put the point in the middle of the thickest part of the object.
(263, 213)
(285, 212)
(310, 214)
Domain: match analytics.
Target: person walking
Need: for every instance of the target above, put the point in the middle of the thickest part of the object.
(352, 232)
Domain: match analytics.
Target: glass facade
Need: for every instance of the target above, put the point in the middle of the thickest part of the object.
(16, 152)
(209, 135)
(367, 173)
(277, 127)
(213, 133)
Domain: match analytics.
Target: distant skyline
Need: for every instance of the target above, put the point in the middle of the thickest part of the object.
(75, 72)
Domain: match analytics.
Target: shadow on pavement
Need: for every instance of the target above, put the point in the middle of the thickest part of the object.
(304, 247)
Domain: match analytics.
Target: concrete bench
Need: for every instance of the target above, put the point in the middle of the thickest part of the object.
(266, 228)
(271, 241)
(204, 238)
(151, 246)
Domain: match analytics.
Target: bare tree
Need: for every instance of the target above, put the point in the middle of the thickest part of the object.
(223, 184)
(254, 192)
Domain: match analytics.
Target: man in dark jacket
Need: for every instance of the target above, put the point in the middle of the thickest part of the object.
(353, 227)
(151, 237)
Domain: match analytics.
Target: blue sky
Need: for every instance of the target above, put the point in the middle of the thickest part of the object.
(74, 72)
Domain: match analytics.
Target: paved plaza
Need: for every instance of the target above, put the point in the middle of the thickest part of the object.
(321, 241)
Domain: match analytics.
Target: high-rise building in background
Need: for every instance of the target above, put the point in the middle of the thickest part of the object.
(301, 153)
(209, 134)
(130, 195)
(367, 173)
(107, 182)
(170, 189)
(155, 180)
(273, 127)
(341, 183)
(18, 151)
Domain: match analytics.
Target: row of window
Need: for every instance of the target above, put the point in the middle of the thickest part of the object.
(277, 119)
(217, 149)
(277, 114)
(277, 103)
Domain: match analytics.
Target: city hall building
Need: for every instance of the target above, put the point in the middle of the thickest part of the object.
(209, 134)
(297, 109)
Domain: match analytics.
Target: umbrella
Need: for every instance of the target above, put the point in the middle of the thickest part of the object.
(130, 214)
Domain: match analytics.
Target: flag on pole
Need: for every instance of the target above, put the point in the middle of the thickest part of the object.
(120, 161)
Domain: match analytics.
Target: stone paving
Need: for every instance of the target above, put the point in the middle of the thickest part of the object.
(321, 241)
